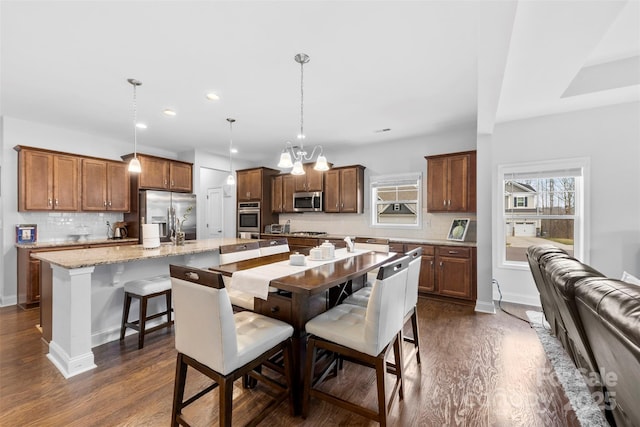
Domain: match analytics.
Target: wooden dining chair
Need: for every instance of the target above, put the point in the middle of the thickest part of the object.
(364, 336)
(362, 296)
(222, 345)
(274, 246)
(234, 253)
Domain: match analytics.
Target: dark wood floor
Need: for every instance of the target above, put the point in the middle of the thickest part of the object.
(477, 370)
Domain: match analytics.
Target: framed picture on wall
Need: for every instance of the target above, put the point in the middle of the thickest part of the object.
(458, 229)
(26, 233)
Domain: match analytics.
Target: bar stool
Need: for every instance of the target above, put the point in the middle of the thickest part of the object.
(143, 290)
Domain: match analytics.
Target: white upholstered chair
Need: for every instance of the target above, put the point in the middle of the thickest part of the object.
(362, 296)
(222, 345)
(234, 253)
(362, 335)
(274, 246)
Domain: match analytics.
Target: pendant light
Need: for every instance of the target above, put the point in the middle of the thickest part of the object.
(294, 155)
(231, 180)
(134, 164)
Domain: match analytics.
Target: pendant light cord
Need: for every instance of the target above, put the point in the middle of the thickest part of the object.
(135, 122)
(230, 143)
(302, 106)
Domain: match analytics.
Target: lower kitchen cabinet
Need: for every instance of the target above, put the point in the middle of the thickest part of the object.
(448, 271)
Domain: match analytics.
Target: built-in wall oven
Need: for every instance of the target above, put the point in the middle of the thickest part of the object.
(249, 219)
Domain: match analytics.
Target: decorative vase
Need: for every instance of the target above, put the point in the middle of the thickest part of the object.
(179, 240)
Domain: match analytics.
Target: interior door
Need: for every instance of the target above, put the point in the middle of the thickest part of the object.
(214, 213)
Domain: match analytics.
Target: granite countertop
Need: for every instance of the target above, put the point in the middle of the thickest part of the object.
(418, 241)
(78, 258)
(63, 243)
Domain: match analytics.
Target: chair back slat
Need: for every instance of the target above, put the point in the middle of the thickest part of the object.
(413, 279)
(239, 252)
(385, 310)
(204, 323)
(274, 246)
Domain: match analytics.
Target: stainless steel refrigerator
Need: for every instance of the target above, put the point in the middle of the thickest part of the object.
(166, 208)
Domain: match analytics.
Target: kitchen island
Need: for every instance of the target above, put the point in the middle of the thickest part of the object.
(85, 294)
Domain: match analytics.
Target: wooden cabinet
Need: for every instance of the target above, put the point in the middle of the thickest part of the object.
(447, 271)
(451, 182)
(344, 190)
(282, 189)
(105, 185)
(163, 174)
(312, 180)
(249, 183)
(47, 180)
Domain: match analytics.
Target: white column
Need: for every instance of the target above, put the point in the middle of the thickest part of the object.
(70, 346)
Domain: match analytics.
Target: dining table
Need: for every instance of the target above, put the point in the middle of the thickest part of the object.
(296, 294)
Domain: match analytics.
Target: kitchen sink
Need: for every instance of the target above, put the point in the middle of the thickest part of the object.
(309, 233)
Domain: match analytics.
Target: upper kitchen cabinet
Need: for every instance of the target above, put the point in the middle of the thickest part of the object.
(451, 182)
(47, 180)
(105, 185)
(282, 189)
(344, 190)
(255, 184)
(163, 174)
(312, 180)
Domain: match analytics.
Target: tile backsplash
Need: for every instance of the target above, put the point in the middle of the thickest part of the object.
(63, 226)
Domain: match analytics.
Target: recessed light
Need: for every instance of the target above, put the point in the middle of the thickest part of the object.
(141, 126)
(234, 151)
(212, 96)
(168, 112)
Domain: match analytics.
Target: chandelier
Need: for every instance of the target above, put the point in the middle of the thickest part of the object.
(292, 156)
(231, 179)
(134, 163)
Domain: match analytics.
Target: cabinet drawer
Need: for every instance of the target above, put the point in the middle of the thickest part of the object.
(456, 252)
(276, 306)
(426, 249)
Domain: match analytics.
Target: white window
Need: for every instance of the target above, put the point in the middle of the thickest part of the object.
(396, 201)
(553, 210)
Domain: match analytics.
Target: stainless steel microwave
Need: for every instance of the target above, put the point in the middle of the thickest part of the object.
(307, 202)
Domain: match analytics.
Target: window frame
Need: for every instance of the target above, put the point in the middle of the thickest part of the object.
(395, 180)
(581, 245)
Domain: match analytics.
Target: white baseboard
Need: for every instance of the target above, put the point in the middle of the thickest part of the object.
(7, 301)
(532, 300)
(485, 307)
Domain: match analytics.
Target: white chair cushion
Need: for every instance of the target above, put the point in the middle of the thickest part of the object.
(148, 286)
(344, 324)
(241, 299)
(238, 298)
(256, 334)
(413, 279)
(359, 297)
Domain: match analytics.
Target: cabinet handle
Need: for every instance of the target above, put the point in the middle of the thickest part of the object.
(444, 203)
(275, 309)
(440, 264)
(49, 202)
(449, 203)
(109, 203)
(165, 181)
(172, 183)
(453, 252)
(56, 202)
(431, 263)
(104, 203)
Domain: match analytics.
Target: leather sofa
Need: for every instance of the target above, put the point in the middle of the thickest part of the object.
(597, 320)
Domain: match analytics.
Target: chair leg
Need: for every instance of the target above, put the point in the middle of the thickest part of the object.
(142, 322)
(288, 375)
(178, 390)
(416, 334)
(226, 402)
(381, 368)
(397, 351)
(125, 314)
(168, 299)
(308, 376)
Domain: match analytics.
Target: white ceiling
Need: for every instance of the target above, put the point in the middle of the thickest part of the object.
(411, 66)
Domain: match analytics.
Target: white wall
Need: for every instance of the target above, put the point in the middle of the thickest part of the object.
(610, 137)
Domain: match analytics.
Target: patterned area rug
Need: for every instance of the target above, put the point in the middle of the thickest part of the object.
(580, 398)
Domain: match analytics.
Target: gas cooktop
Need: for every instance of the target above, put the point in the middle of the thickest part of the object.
(309, 233)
